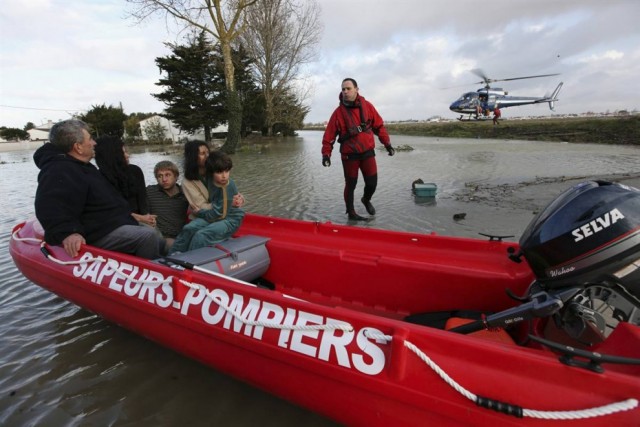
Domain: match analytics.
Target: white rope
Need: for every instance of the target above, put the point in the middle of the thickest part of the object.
(426, 359)
(76, 262)
(438, 370)
(99, 258)
(15, 237)
(612, 408)
(209, 294)
(42, 244)
(117, 270)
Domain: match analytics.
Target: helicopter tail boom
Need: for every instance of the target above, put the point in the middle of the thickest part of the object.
(551, 100)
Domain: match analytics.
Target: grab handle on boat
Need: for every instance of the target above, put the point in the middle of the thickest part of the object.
(45, 251)
(493, 237)
(593, 359)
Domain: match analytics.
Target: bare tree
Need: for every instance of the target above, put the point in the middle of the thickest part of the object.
(155, 132)
(228, 24)
(281, 36)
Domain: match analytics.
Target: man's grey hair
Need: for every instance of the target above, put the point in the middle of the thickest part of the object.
(66, 133)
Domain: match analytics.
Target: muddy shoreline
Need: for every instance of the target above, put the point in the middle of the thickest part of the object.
(532, 195)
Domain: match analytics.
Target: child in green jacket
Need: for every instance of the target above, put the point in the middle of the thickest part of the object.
(219, 223)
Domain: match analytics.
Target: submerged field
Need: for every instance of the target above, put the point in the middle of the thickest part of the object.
(604, 130)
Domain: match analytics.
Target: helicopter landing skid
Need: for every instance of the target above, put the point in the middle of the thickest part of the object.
(474, 119)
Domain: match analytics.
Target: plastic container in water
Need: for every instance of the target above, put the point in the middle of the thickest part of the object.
(427, 189)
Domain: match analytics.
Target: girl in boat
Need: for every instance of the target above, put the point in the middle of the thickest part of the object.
(194, 185)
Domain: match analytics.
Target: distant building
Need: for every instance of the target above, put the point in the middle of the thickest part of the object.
(40, 133)
(172, 132)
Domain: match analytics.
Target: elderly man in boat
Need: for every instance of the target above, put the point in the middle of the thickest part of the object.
(76, 204)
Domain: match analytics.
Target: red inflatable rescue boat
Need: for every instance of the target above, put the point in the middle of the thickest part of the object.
(381, 328)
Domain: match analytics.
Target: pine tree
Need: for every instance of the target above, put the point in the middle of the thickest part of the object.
(194, 90)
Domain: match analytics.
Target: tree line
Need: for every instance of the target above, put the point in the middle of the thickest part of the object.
(239, 64)
(273, 39)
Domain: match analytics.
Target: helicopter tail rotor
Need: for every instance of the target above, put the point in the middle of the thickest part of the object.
(554, 97)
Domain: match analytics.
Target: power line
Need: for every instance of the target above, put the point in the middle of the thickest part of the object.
(43, 109)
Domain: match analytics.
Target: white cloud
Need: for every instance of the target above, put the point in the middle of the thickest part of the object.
(534, 28)
(610, 55)
(71, 54)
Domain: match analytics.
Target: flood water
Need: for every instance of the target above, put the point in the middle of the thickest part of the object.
(61, 365)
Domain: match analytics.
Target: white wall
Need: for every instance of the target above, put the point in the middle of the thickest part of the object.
(173, 133)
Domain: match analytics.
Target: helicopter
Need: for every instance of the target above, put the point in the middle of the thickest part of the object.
(479, 104)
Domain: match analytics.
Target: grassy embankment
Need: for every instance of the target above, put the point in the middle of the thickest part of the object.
(604, 130)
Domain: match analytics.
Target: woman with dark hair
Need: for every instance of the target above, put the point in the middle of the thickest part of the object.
(113, 161)
(194, 185)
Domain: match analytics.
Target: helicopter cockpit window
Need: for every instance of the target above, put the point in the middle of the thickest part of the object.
(468, 96)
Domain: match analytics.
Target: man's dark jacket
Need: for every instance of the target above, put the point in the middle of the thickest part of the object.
(74, 197)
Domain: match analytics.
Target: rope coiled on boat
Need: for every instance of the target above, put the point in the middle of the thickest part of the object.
(507, 408)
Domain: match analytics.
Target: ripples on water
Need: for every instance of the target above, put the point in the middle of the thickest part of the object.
(61, 365)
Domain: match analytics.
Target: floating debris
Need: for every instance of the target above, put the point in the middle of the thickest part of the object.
(403, 147)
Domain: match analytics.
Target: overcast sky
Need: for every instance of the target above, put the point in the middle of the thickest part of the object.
(61, 56)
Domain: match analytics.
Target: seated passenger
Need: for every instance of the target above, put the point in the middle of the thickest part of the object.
(76, 204)
(218, 223)
(112, 159)
(167, 202)
(194, 184)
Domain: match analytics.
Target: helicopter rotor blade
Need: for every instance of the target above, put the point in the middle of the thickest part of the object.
(486, 80)
(527, 77)
(458, 86)
(480, 73)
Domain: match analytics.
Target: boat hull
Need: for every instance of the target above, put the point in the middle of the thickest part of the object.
(330, 335)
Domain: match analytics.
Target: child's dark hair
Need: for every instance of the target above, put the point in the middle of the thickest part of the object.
(219, 161)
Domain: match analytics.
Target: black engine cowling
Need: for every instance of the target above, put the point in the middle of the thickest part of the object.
(588, 234)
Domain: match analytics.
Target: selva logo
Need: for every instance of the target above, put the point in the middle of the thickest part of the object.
(597, 225)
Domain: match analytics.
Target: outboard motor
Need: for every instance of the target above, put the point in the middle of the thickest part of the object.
(584, 248)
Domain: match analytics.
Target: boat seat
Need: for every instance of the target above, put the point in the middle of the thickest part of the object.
(495, 334)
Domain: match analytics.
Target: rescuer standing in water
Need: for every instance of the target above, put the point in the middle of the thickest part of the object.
(354, 123)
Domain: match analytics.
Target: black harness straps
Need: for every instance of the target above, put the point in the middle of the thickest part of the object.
(353, 128)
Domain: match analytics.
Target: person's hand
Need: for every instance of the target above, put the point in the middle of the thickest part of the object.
(238, 200)
(147, 219)
(151, 220)
(72, 244)
(390, 150)
(326, 161)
